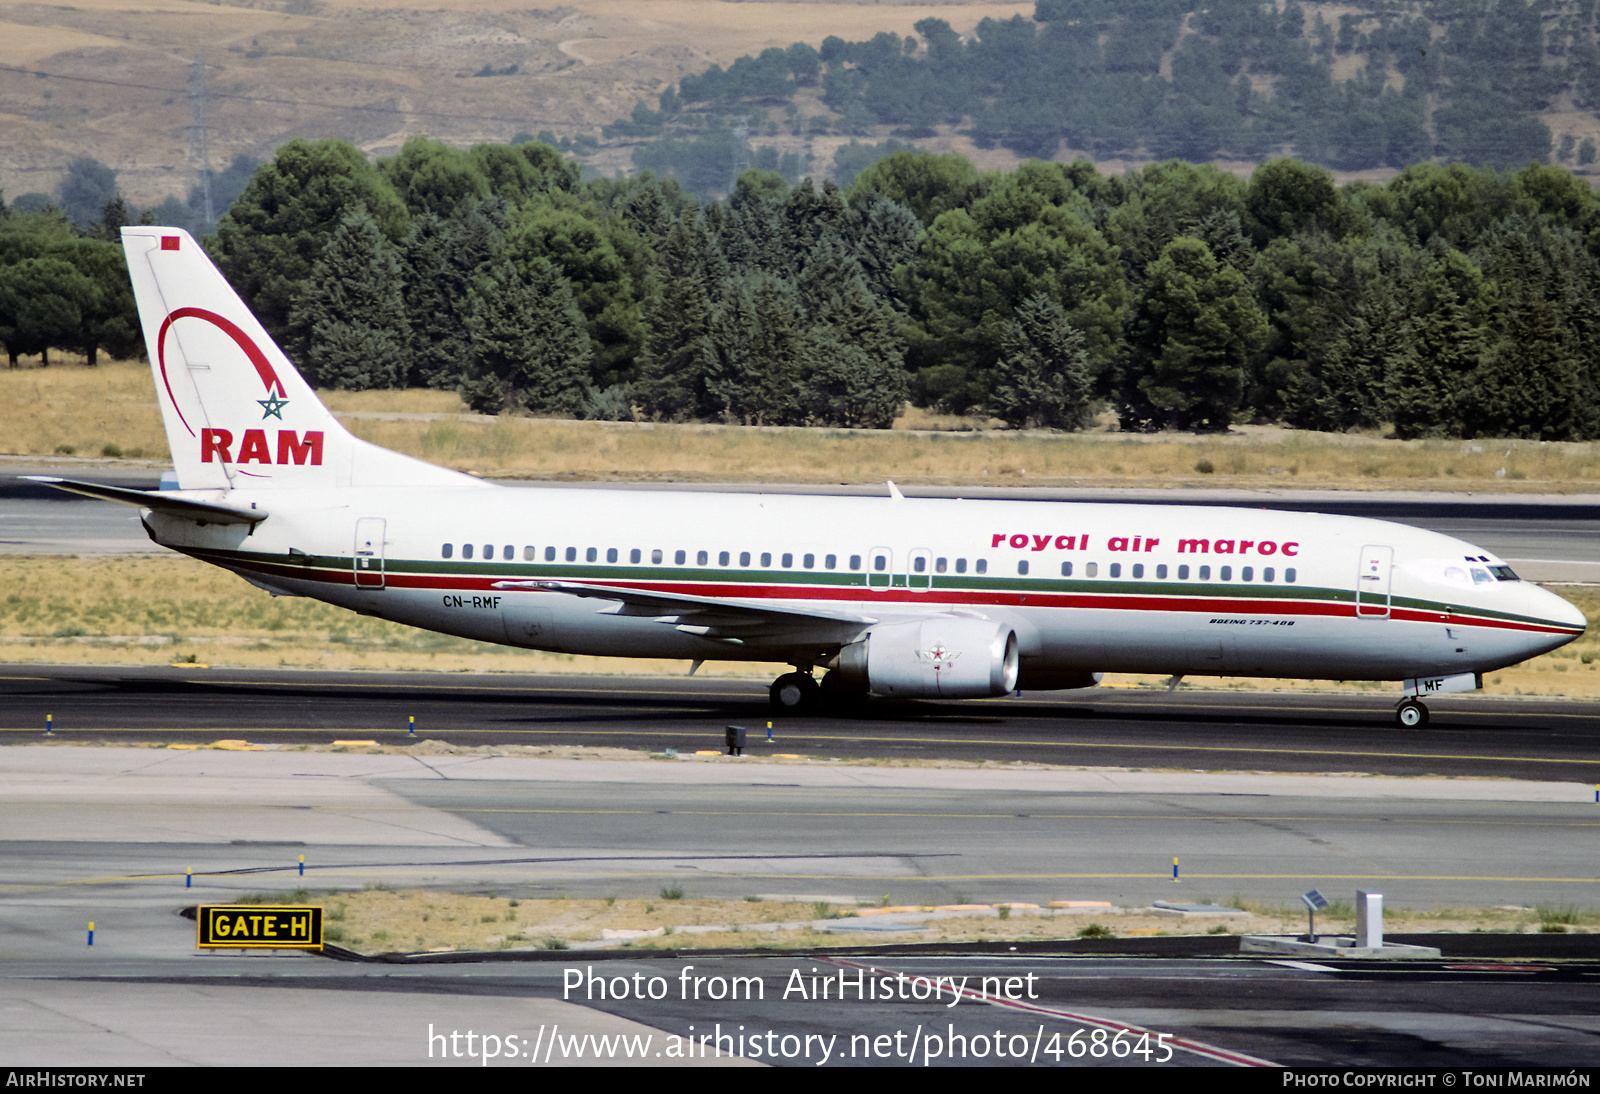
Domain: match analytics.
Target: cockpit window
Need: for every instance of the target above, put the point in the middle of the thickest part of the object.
(1481, 577)
(1504, 573)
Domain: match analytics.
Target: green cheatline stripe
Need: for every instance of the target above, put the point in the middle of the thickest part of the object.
(801, 579)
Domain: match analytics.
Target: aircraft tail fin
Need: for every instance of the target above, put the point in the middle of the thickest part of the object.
(237, 413)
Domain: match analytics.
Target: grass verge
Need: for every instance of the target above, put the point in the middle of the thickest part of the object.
(381, 920)
(111, 411)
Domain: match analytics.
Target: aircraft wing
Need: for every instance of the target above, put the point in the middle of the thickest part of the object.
(202, 512)
(715, 618)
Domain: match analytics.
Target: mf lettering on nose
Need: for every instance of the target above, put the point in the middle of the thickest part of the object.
(217, 444)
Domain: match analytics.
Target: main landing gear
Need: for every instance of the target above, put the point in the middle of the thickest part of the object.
(799, 692)
(1411, 714)
(795, 693)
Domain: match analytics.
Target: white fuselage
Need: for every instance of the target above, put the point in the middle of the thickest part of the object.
(1086, 587)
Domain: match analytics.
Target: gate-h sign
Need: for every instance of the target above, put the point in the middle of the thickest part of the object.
(254, 927)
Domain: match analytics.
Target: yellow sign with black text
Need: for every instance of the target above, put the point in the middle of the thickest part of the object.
(254, 927)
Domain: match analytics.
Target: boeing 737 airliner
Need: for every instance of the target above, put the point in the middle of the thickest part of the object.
(890, 596)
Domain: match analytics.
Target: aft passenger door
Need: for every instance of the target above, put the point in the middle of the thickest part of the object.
(369, 553)
(1372, 582)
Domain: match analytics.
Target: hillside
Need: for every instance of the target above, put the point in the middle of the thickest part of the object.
(118, 83)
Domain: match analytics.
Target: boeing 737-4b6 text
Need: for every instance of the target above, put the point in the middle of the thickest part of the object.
(891, 596)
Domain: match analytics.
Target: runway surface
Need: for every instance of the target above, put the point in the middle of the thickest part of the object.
(1468, 736)
(106, 834)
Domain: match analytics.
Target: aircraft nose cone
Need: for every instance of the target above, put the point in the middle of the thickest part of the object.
(1559, 611)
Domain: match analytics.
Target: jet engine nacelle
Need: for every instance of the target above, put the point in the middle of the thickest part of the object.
(933, 659)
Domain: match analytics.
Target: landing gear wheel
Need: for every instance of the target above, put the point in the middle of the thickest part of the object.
(1411, 714)
(794, 693)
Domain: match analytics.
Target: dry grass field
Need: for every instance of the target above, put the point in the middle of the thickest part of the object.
(169, 609)
(70, 410)
(383, 920)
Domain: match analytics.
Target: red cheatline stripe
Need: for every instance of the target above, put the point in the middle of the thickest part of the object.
(729, 591)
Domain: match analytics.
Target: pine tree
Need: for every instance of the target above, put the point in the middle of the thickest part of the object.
(1042, 377)
(531, 351)
(352, 316)
(677, 321)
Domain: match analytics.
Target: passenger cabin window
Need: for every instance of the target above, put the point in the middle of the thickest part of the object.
(1267, 572)
(590, 555)
(488, 552)
(1246, 573)
(611, 554)
(1116, 569)
(855, 562)
(530, 553)
(722, 558)
(655, 557)
(766, 558)
(466, 550)
(702, 558)
(744, 558)
(961, 565)
(787, 560)
(981, 566)
(809, 562)
(572, 554)
(1288, 575)
(1138, 569)
(549, 554)
(635, 555)
(1183, 573)
(941, 565)
(448, 550)
(508, 552)
(1066, 569)
(919, 564)
(830, 562)
(1022, 566)
(1091, 569)
(680, 557)
(1161, 572)
(1205, 573)
(880, 563)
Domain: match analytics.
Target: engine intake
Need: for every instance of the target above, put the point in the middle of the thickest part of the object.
(933, 659)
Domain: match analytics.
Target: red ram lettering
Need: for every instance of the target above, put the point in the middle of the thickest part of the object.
(254, 447)
(1065, 543)
(1245, 545)
(1118, 543)
(291, 449)
(1150, 543)
(1019, 540)
(1195, 546)
(215, 442)
(1267, 547)
(1286, 546)
(1223, 547)
(999, 538)
(1040, 542)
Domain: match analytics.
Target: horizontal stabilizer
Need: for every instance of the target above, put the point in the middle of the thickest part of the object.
(202, 512)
